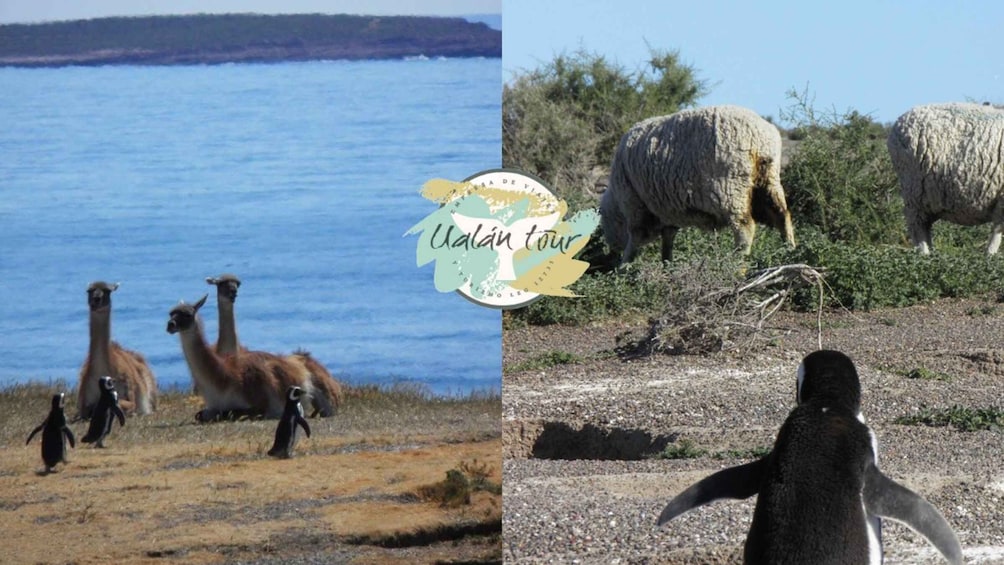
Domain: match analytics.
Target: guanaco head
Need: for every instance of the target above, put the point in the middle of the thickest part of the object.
(183, 315)
(226, 286)
(99, 295)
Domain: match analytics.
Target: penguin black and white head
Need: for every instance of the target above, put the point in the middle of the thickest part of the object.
(829, 379)
(285, 430)
(104, 414)
(819, 488)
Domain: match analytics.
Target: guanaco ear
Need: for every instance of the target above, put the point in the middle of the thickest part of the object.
(201, 301)
(113, 287)
(212, 280)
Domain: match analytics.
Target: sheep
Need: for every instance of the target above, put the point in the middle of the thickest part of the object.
(328, 391)
(252, 383)
(950, 162)
(708, 168)
(128, 369)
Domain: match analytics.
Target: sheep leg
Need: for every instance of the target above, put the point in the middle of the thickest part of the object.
(995, 237)
(668, 235)
(631, 249)
(919, 228)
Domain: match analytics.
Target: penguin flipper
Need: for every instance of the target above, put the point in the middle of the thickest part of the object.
(741, 481)
(33, 432)
(889, 499)
(117, 410)
(69, 435)
(303, 424)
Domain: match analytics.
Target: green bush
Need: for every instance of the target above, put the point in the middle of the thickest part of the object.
(857, 277)
(863, 277)
(643, 288)
(840, 178)
(636, 290)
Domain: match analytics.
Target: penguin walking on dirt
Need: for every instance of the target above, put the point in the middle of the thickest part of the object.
(55, 434)
(819, 489)
(285, 431)
(104, 414)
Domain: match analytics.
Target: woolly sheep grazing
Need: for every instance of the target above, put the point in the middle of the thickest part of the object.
(950, 162)
(708, 168)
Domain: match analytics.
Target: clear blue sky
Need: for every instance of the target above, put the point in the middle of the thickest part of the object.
(877, 57)
(874, 56)
(30, 11)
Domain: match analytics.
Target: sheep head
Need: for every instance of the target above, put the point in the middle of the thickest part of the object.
(767, 203)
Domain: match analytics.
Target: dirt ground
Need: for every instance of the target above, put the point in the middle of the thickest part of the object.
(167, 490)
(583, 485)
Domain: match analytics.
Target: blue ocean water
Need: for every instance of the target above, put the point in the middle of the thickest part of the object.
(301, 178)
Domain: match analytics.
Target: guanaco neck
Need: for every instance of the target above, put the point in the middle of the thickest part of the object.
(101, 337)
(227, 343)
(206, 367)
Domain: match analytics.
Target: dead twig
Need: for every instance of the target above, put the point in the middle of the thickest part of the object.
(714, 315)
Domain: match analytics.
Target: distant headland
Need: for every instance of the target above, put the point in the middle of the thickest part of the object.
(242, 38)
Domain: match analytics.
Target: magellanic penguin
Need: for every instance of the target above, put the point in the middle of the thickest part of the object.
(285, 432)
(55, 433)
(819, 486)
(104, 414)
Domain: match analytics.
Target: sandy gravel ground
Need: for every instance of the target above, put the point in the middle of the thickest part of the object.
(581, 485)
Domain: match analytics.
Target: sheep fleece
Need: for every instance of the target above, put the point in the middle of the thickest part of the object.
(692, 168)
(950, 162)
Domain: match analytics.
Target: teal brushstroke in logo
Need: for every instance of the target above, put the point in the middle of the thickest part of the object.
(499, 239)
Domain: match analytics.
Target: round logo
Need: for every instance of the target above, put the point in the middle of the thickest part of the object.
(500, 239)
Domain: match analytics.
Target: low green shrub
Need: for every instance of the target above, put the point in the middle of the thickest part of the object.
(683, 449)
(959, 417)
(863, 277)
(925, 374)
(545, 360)
(755, 452)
